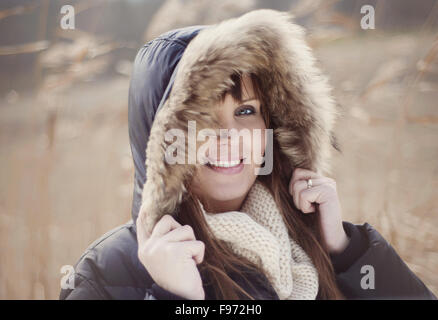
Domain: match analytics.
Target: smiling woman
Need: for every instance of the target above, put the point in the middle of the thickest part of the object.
(223, 188)
(218, 196)
(240, 115)
(218, 228)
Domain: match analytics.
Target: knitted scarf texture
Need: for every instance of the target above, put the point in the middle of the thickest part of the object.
(258, 233)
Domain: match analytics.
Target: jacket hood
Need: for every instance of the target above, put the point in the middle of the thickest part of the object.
(264, 42)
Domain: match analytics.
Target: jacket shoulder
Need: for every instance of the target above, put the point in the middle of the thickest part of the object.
(379, 272)
(182, 35)
(110, 269)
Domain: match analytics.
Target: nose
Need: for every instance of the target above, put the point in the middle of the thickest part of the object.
(227, 121)
(227, 147)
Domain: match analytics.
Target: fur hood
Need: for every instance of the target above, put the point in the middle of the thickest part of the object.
(269, 44)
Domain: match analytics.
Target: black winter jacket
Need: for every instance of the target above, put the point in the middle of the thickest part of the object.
(110, 268)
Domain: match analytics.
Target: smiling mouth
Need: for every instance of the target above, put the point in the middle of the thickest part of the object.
(225, 164)
(226, 167)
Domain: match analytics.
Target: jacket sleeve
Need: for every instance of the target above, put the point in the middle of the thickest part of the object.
(84, 289)
(158, 293)
(370, 268)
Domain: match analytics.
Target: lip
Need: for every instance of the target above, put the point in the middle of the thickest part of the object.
(231, 170)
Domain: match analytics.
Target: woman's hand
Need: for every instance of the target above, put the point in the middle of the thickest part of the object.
(323, 192)
(170, 255)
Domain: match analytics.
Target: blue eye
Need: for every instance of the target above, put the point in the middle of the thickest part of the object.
(245, 110)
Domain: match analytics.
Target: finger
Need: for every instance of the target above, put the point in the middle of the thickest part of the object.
(318, 181)
(308, 198)
(194, 249)
(303, 174)
(164, 225)
(297, 187)
(183, 233)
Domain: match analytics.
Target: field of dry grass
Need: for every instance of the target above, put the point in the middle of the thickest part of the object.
(388, 172)
(67, 175)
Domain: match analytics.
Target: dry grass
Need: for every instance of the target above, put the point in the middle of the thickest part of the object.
(66, 179)
(388, 172)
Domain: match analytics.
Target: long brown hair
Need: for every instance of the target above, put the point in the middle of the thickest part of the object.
(220, 260)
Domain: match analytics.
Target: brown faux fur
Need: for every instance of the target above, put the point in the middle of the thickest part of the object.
(268, 43)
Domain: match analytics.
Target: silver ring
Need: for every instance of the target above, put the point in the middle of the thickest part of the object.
(309, 183)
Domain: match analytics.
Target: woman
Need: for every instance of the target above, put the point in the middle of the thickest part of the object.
(228, 225)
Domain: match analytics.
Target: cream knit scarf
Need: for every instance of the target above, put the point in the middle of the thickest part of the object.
(258, 233)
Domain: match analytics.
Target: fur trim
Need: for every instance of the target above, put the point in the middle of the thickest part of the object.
(262, 41)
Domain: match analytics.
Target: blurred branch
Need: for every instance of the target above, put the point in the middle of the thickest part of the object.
(86, 4)
(18, 10)
(24, 48)
(421, 120)
(339, 19)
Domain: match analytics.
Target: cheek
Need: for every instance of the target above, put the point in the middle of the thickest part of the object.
(258, 141)
(197, 183)
(263, 142)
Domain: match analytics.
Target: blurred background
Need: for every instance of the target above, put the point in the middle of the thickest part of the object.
(66, 173)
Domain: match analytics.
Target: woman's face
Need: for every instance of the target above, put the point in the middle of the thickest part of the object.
(222, 183)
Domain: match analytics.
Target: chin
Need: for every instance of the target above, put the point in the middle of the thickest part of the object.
(225, 187)
(230, 191)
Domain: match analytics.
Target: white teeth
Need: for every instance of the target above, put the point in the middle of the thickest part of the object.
(225, 164)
